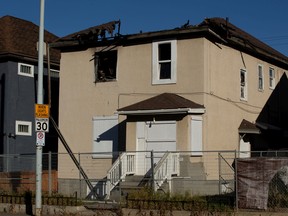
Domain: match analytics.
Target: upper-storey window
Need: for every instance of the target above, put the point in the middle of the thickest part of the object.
(260, 78)
(105, 66)
(271, 78)
(23, 128)
(243, 84)
(25, 70)
(164, 62)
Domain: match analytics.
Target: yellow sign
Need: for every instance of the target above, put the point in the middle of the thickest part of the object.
(41, 111)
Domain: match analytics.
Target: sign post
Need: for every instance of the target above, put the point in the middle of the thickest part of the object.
(39, 150)
(41, 127)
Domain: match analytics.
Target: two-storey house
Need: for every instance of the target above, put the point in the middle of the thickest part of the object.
(18, 91)
(190, 89)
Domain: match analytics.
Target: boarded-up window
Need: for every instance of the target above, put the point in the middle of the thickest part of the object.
(196, 136)
(105, 136)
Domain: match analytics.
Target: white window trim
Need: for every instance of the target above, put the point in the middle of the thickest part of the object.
(26, 123)
(25, 74)
(245, 98)
(155, 62)
(260, 89)
(271, 79)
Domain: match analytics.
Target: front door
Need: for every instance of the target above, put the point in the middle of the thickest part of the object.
(159, 136)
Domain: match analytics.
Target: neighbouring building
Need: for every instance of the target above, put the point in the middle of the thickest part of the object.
(196, 88)
(18, 92)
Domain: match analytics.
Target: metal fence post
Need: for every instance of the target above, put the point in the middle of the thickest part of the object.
(49, 173)
(152, 170)
(120, 174)
(236, 182)
(80, 183)
(219, 167)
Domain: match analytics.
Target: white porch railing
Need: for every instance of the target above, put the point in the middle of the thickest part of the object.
(123, 166)
(167, 167)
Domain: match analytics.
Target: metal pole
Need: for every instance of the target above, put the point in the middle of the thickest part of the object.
(38, 201)
(152, 170)
(236, 182)
(80, 180)
(7, 153)
(219, 168)
(50, 173)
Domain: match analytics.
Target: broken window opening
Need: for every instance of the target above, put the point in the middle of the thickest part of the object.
(105, 66)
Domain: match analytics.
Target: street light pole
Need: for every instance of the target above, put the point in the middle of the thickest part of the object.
(38, 201)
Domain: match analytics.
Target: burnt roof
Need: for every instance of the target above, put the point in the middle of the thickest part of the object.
(18, 39)
(161, 102)
(99, 30)
(215, 29)
(239, 39)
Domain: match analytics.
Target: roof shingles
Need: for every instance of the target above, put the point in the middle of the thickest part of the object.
(163, 101)
(19, 37)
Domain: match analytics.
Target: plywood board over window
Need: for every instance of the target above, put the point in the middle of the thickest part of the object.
(196, 131)
(105, 136)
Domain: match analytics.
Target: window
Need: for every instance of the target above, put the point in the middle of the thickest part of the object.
(54, 73)
(260, 78)
(25, 70)
(105, 66)
(271, 78)
(243, 84)
(23, 128)
(105, 136)
(164, 62)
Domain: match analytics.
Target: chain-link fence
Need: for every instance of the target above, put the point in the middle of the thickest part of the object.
(224, 176)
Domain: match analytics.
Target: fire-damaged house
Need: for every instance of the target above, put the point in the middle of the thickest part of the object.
(193, 89)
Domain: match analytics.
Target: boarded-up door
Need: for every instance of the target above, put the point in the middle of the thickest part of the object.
(157, 136)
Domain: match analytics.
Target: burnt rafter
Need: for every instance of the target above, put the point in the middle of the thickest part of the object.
(99, 32)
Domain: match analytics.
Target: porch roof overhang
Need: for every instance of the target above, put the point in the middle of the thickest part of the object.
(162, 111)
(249, 131)
(247, 127)
(163, 104)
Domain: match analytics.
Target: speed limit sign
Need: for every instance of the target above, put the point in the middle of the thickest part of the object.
(42, 125)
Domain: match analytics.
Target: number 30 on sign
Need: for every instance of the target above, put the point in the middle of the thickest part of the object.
(42, 124)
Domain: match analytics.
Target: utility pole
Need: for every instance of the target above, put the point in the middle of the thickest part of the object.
(38, 201)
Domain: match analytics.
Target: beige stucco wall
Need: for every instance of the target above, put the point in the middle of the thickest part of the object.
(224, 109)
(206, 74)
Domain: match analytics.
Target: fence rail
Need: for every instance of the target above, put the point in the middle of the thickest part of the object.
(212, 173)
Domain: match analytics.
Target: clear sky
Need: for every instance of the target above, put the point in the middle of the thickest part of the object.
(267, 20)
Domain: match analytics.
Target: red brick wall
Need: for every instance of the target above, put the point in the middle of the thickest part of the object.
(19, 182)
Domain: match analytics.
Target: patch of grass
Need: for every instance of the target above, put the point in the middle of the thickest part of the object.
(148, 199)
(28, 196)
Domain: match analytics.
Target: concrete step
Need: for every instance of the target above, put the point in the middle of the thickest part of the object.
(133, 181)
